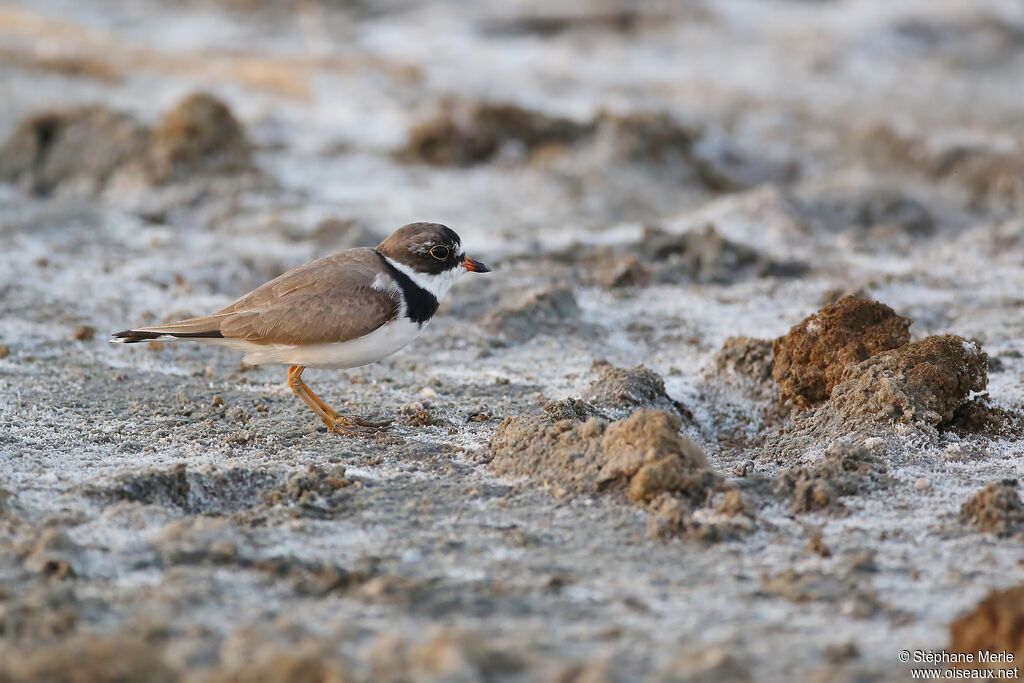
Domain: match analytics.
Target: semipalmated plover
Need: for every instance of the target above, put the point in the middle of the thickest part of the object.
(352, 308)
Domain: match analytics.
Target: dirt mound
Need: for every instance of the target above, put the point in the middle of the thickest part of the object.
(996, 509)
(647, 451)
(316, 486)
(812, 357)
(619, 391)
(76, 149)
(643, 458)
(571, 409)
(80, 150)
(706, 256)
(996, 624)
(535, 312)
(467, 134)
(564, 456)
(199, 134)
(980, 416)
(985, 171)
(845, 470)
(922, 383)
(668, 258)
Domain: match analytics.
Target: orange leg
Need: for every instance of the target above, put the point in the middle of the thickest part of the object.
(334, 422)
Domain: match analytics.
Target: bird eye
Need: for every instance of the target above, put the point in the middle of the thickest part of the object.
(440, 252)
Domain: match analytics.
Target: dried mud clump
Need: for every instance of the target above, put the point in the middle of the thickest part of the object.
(464, 135)
(645, 454)
(199, 134)
(571, 409)
(565, 456)
(619, 391)
(921, 383)
(642, 458)
(980, 416)
(83, 149)
(996, 624)
(706, 256)
(695, 256)
(996, 509)
(76, 149)
(316, 485)
(533, 312)
(811, 359)
(844, 471)
(986, 171)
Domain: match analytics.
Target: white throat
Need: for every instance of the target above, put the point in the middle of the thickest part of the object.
(437, 284)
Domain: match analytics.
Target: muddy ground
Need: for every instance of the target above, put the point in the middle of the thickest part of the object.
(647, 180)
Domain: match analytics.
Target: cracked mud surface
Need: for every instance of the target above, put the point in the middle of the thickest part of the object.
(660, 209)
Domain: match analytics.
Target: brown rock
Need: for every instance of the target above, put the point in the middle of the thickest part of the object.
(997, 509)
(996, 624)
(811, 358)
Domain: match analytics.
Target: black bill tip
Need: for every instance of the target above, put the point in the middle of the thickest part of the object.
(474, 266)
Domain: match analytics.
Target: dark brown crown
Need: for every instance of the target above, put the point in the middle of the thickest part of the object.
(425, 247)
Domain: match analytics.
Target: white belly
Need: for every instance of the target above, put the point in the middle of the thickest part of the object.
(378, 345)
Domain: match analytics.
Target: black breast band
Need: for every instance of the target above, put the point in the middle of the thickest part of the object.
(420, 305)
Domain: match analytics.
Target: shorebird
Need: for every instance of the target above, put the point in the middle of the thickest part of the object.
(352, 308)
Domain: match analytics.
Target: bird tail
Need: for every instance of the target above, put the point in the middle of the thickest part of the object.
(194, 328)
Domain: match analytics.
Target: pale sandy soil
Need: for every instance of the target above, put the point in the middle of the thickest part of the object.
(200, 569)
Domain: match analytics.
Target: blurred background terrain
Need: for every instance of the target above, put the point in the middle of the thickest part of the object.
(671, 185)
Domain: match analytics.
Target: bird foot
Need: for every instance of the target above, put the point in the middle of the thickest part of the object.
(355, 426)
